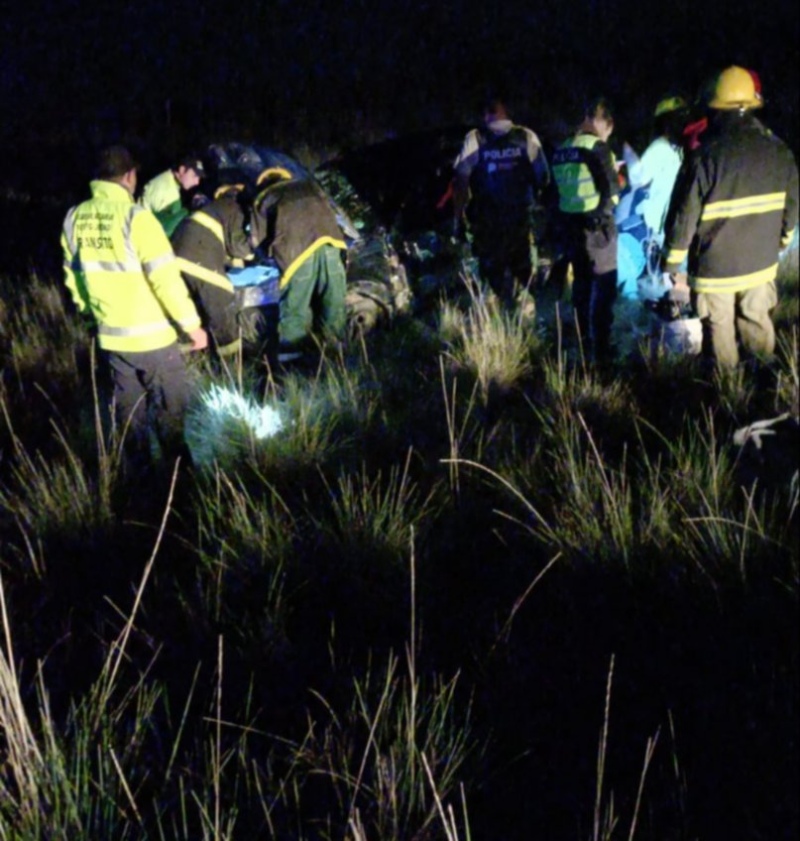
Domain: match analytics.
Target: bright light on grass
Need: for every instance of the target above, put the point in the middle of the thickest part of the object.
(263, 421)
(228, 424)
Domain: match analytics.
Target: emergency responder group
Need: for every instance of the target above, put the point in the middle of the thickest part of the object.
(146, 295)
(734, 205)
(721, 197)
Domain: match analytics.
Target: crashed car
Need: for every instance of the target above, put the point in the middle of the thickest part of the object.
(406, 183)
(403, 186)
(377, 285)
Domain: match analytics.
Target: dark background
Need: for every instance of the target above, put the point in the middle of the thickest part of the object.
(332, 75)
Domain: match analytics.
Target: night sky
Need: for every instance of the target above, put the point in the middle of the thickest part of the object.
(333, 73)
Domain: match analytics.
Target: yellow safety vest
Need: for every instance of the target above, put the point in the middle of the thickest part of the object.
(577, 189)
(119, 265)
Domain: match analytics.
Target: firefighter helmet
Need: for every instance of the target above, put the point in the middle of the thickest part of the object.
(735, 88)
(230, 180)
(273, 175)
(669, 105)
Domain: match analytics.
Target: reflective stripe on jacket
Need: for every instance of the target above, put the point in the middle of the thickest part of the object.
(294, 219)
(209, 240)
(735, 203)
(119, 265)
(585, 172)
(206, 244)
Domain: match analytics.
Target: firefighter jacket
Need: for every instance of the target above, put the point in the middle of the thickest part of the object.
(206, 244)
(585, 172)
(292, 220)
(162, 195)
(506, 169)
(735, 204)
(120, 268)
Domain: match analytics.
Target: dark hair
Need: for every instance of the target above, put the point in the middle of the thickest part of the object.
(495, 90)
(191, 162)
(113, 162)
(492, 101)
(671, 124)
(600, 107)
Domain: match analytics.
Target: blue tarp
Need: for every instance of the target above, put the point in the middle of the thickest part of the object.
(259, 285)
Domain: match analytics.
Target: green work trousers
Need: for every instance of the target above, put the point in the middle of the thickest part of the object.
(313, 300)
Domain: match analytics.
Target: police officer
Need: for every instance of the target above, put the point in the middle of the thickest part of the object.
(122, 274)
(499, 173)
(734, 206)
(585, 172)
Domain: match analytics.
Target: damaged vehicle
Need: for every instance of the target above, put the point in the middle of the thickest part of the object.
(403, 186)
(377, 285)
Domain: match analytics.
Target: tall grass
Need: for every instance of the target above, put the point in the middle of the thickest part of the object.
(372, 516)
(681, 503)
(493, 343)
(40, 338)
(245, 545)
(620, 475)
(397, 749)
(64, 497)
(371, 753)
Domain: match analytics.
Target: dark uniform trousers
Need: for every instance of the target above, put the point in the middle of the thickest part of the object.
(591, 246)
(151, 389)
(503, 249)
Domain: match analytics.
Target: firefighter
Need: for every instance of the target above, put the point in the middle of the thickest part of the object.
(734, 207)
(499, 173)
(585, 173)
(293, 221)
(165, 194)
(123, 277)
(206, 244)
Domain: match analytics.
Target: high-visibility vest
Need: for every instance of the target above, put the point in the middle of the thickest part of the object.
(162, 195)
(120, 267)
(579, 187)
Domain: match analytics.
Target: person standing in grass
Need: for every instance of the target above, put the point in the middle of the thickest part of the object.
(658, 167)
(164, 194)
(123, 277)
(206, 243)
(499, 173)
(294, 222)
(734, 207)
(585, 172)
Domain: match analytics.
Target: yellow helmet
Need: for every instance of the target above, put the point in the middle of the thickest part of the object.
(273, 174)
(226, 189)
(670, 104)
(736, 88)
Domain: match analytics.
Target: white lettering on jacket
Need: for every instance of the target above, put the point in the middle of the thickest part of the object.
(500, 154)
